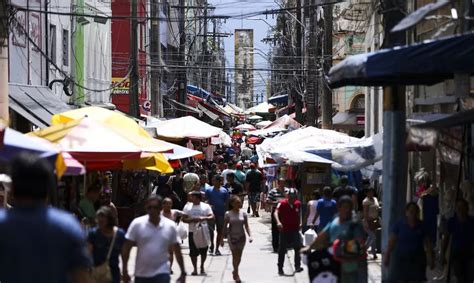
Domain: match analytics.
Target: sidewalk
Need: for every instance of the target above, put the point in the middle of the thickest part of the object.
(259, 263)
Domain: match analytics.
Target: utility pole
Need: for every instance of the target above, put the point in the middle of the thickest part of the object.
(394, 137)
(155, 48)
(326, 99)
(205, 79)
(182, 79)
(296, 95)
(134, 77)
(312, 80)
(4, 16)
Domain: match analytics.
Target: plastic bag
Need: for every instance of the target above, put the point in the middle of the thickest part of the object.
(201, 237)
(309, 237)
(182, 230)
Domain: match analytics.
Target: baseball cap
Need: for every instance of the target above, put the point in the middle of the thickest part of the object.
(238, 166)
(292, 191)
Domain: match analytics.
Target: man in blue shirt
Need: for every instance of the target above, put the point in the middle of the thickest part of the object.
(326, 208)
(39, 243)
(217, 198)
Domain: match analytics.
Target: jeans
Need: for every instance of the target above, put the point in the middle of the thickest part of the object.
(159, 278)
(371, 241)
(285, 239)
(275, 233)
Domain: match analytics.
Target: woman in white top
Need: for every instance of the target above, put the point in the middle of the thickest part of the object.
(174, 215)
(312, 223)
(371, 219)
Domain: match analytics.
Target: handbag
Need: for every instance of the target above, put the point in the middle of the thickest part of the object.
(101, 273)
(374, 224)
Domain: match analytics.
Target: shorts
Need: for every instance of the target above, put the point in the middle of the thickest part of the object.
(254, 197)
(193, 251)
(217, 224)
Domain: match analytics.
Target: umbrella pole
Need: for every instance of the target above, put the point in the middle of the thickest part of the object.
(85, 178)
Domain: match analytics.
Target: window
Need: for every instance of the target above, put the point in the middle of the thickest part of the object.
(52, 43)
(65, 47)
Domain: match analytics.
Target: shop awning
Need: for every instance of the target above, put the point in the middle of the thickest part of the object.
(426, 63)
(449, 121)
(36, 103)
(207, 112)
(279, 99)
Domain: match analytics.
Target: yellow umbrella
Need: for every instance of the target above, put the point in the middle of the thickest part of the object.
(154, 162)
(89, 142)
(108, 117)
(122, 124)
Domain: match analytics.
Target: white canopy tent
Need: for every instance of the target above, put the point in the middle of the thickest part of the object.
(263, 107)
(184, 127)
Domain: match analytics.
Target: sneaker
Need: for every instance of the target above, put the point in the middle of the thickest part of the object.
(281, 272)
(218, 253)
(299, 269)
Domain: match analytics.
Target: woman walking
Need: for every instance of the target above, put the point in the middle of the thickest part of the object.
(371, 209)
(406, 247)
(235, 224)
(105, 244)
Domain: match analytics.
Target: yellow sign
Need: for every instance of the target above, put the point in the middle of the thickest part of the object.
(120, 86)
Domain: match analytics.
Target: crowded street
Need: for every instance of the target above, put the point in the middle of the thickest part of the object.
(218, 141)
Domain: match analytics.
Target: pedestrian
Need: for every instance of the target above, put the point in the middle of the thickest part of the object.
(173, 215)
(326, 209)
(311, 207)
(203, 181)
(217, 198)
(194, 213)
(406, 248)
(345, 229)
(166, 192)
(239, 174)
(105, 199)
(345, 189)
(190, 180)
(226, 171)
(87, 204)
(152, 261)
(461, 232)
(371, 210)
(429, 203)
(176, 184)
(274, 197)
(253, 185)
(234, 188)
(235, 224)
(39, 243)
(287, 216)
(105, 245)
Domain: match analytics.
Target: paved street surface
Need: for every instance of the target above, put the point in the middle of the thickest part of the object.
(259, 263)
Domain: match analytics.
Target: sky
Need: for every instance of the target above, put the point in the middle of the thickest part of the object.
(243, 8)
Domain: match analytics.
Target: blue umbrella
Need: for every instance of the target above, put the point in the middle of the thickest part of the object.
(15, 142)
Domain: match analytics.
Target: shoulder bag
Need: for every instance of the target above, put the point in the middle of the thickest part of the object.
(101, 273)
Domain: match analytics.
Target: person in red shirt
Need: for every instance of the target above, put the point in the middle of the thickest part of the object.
(287, 216)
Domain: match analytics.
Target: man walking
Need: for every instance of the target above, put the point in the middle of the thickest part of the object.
(190, 180)
(287, 216)
(253, 185)
(274, 197)
(154, 236)
(38, 243)
(217, 198)
(196, 212)
(326, 209)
